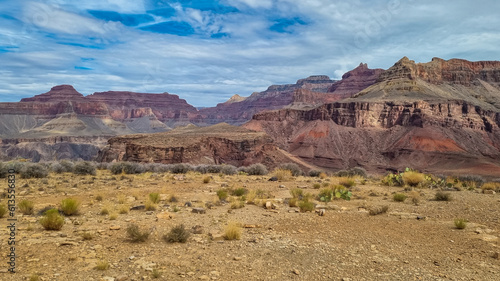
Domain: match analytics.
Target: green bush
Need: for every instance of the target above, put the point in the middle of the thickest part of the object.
(154, 197)
(52, 220)
(177, 234)
(84, 168)
(460, 223)
(306, 206)
(222, 194)
(136, 235)
(34, 171)
(69, 206)
(399, 197)
(26, 207)
(239, 191)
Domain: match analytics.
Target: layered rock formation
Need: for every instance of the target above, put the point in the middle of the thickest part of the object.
(275, 97)
(409, 118)
(355, 80)
(217, 144)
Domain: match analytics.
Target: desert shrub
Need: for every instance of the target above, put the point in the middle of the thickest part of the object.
(297, 193)
(442, 196)
(393, 179)
(154, 197)
(491, 186)
(460, 223)
(282, 174)
(34, 171)
(26, 207)
(232, 231)
(214, 169)
(294, 168)
(239, 191)
(413, 178)
(150, 206)
(415, 197)
(222, 194)
(34, 277)
(99, 197)
(116, 168)
(377, 210)
(477, 180)
(130, 168)
(178, 234)
(57, 168)
(156, 168)
(202, 169)
(123, 209)
(237, 204)
(316, 185)
(113, 216)
(69, 206)
(102, 265)
(306, 206)
(399, 197)
(67, 165)
(16, 166)
(206, 179)
(4, 171)
(84, 168)
(347, 182)
(135, 234)
(325, 195)
(293, 202)
(314, 173)
(102, 166)
(87, 236)
(104, 211)
(228, 170)
(180, 168)
(3, 210)
(52, 220)
(356, 171)
(155, 274)
(256, 170)
(251, 196)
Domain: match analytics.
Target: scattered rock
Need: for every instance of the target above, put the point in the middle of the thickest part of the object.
(115, 227)
(199, 211)
(188, 204)
(149, 213)
(296, 271)
(281, 186)
(269, 205)
(197, 229)
(321, 212)
(164, 216)
(273, 179)
(138, 207)
(496, 255)
(216, 236)
(251, 226)
(107, 278)
(122, 278)
(237, 258)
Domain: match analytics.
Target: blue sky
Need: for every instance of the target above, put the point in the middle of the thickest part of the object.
(206, 51)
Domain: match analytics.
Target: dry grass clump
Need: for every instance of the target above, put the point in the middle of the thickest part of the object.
(293, 202)
(252, 194)
(99, 197)
(415, 197)
(154, 197)
(87, 236)
(3, 210)
(123, 209)
(495, 186)
(306, 206)
(222, 194)
(282, 174)
(239, 191)
(237, 204)
(102, 265)
(113, 216)
(104, 211)
(69, 206)
(442, 196)
(232, 231)
(150, 206)
(52, 220)
(178, 234)
(26, 207)
(460, 223)
(413, 178)
(207, 179)
(347, 182)
(377, 210)
(135, 234)
(399, 197)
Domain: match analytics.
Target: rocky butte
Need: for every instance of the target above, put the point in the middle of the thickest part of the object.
(441, 117)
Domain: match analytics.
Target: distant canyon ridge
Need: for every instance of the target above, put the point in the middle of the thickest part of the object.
(440, 116)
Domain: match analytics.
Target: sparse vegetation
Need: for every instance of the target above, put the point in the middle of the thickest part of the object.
(222, 194)
(393, 179)
(34, 277)
(84, 168)
(150, 206)
(207, 179)
(415, 197)
(155, 274)
(256, 170)
(413, 178)
(495, 186)
(348, 182)
(154, 197)
(99, 197)
(293, 168)
(232, 231)
(3, 210)
(282, 174)
(237, 204)
(34, 171)
(306, 206)
(442, 196)
(26, 207)
(239, 191)
(104, 211)
(460, 223)
(228, 170)
(377, 210)
(314, 173)
(69, 206)
(399, 197)
(123, 209)
(87, 236)
(52, 220)
(356, 171)
(316, 185)
(178, 234)
(113, 216)
(135, 234)
(102, 265)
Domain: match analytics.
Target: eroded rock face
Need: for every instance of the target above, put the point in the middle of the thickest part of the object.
(275, 97)
(439, 117)
(218, 144)
(355, 80)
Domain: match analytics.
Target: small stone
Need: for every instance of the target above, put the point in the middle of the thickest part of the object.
(197, 229)
(188, 204)
(237, 258)
(199, 211)
(496, 255)
(214, 273)
(282, 186)
(115, 227)
(273, 179)
(204, 277)
(296, 271)
(122, 278)
(270, 205)
(216, 236)
(321, 212)
(149, 213)
(138, 207)
(164, 216)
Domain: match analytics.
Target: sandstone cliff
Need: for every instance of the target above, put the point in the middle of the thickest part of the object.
(217, 144)
(406, 119)
(355, 80)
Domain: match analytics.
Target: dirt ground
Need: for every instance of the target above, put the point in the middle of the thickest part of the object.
(409, 242)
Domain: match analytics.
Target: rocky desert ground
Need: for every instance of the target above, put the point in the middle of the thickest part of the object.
(416, 239)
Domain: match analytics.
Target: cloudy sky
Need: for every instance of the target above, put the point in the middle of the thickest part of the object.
(206, 51)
